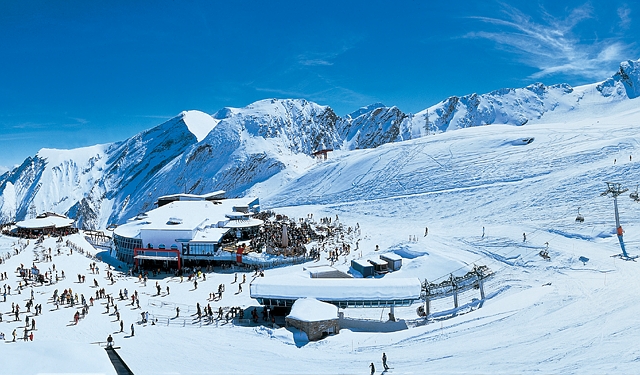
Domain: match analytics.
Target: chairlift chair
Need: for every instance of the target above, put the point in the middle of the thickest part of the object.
(634, 195)
(579, 218)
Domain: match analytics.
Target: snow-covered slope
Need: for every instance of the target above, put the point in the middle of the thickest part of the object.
(268, 143)
(574, 313)
(199, 123)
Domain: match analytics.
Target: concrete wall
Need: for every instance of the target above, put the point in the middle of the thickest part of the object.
(314, 330)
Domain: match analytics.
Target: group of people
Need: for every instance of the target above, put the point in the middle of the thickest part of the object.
(372, 367)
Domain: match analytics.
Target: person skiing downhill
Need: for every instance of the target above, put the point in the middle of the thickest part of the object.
(384, 361)
(373, 368)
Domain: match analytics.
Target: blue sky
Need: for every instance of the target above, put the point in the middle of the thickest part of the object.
(78, 73)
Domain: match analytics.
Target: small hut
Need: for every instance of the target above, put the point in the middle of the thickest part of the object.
(315, 318)
(394, 261)
(379, 266)
(365, 268)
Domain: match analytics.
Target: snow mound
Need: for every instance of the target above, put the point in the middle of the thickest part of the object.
(199, 123)
(312, 310)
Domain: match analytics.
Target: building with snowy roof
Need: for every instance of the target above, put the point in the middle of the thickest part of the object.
(363, 267)
(315, 318)
(394, 261)
(186, 227)
(46, 223)
(283, 291)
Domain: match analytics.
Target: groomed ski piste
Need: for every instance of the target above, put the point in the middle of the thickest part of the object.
(562, 315)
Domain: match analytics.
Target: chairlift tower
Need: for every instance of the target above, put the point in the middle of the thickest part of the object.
(426, 116)
(615, 189)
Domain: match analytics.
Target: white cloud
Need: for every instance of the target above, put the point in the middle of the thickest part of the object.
(326, 57)
(551, 45)
(625, 19)
(314, 62)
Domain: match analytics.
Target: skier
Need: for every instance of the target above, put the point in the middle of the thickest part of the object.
(177, 312)
(132, 331)
(384, 361)
(524, 237)
(482, 232)
(373, 368)
(426, 231)
(109, 341)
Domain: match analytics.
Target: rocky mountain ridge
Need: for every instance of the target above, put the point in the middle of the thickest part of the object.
(237, 148)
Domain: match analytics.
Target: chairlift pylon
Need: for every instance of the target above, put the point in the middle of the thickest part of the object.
(579, 218)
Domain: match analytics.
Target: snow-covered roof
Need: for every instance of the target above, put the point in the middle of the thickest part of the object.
(45, 222)
(378, 262)
(209, 235)
(362, 262)
(238, 215)
(352, 289)
(181, 215)
(245, 223)
(312, 310)
(391, 256)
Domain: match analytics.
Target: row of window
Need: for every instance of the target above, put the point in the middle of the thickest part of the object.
(201, 249)
(340, 304)
(125, 246)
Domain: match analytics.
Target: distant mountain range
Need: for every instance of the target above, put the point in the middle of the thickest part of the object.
(237, 148)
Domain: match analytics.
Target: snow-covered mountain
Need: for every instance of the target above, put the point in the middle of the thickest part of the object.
(266, 143)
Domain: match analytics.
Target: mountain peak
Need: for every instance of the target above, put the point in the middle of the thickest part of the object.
(362, 110)
(625, 82)
(199, 123)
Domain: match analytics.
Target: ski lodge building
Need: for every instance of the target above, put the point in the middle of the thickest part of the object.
(186, 227)
(44, 224)
(283, 291)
